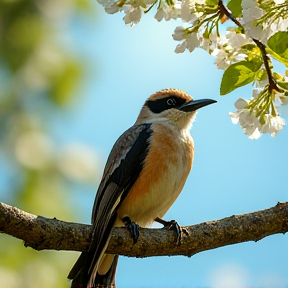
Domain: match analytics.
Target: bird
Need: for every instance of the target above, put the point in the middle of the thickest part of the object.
(144, 174)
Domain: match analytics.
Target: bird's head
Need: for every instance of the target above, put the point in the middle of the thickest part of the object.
(172, 105)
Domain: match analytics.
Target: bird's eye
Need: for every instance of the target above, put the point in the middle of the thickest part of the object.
(171, 102)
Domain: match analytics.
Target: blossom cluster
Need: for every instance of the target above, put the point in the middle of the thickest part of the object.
(256, 120)
(256, 21)
(251, 124)
(226, 50)
(258, 17)
(132, 9)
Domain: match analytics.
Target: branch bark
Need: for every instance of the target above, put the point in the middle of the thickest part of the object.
(43, 233)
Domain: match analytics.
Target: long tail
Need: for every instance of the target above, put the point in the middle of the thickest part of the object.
(81, 277)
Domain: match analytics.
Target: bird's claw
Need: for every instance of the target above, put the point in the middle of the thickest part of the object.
(132, 227)
(174, 225)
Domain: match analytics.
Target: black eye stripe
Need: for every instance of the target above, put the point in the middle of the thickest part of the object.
(159, 105)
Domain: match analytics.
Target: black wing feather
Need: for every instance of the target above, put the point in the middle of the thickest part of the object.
(123, 167)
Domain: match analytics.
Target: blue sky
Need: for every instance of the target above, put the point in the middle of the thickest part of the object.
(231, 174)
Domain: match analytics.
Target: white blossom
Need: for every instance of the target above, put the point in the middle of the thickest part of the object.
(246, 4)
(221, 60)
(256, 93)
(226, 49)
(224, 59)
(180, 48)
(111, 9)
(201, 2)
(209, 44)
(251, 124)
(168, 12)
(279, 1)
(273, 125)
(280, 99)
(252, 28)
(179, 33)
(237, 40)
(110, 6)
(133, 15)
(252, 13)
(260, 84)
(186, 12)
(281, 24)
(248, 121)
(192, 42)
(160, 14)
(258, 28)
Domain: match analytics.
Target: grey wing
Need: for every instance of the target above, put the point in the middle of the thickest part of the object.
(122, 169)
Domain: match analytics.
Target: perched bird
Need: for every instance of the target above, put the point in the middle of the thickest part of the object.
(144, 174)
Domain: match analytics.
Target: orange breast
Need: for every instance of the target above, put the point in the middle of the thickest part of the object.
(165, 171)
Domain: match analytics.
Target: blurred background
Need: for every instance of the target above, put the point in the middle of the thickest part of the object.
(72, 79)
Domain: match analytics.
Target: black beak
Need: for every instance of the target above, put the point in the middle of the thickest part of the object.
(196, 104)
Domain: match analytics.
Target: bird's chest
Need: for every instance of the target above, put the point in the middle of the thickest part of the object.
(162, 178)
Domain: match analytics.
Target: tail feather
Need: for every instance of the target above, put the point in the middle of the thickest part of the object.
(78, 266)
(77, 274)
(81, 278)
(107, 280)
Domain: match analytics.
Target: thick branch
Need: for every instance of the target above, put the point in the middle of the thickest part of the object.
(43, 233)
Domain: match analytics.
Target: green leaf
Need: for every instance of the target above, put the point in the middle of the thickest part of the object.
(235, 7)
(211, 3)
(239, 74)
(283, 85)
(278, 43)
(249, 47)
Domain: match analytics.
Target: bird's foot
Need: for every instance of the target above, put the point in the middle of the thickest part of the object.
(132, 227)
(173, 225)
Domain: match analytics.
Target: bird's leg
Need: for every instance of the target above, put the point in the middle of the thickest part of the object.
(173, 225)
(132, 227)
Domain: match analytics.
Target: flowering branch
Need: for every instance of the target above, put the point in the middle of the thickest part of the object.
(261, 29)
(259, 115)
(42, 233)
(261, 46)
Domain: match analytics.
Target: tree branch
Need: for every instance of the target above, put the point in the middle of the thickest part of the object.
(43, 233)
